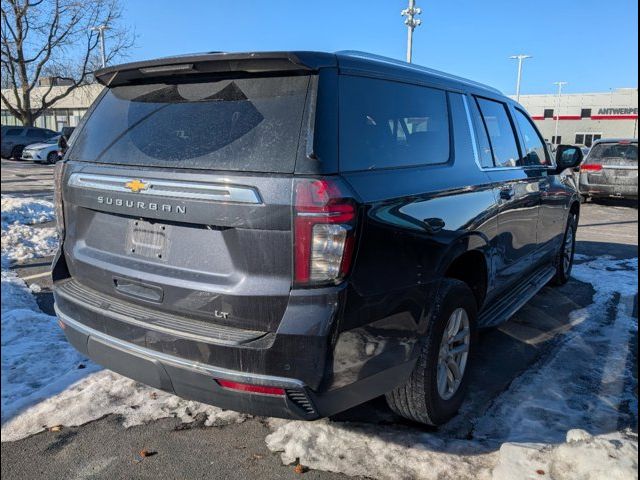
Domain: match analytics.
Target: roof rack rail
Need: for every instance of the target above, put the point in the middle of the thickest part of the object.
(418, 68)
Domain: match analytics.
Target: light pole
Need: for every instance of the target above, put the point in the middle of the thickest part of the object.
(520, 59)
(411, 22)
(100, 29)
(559, 85)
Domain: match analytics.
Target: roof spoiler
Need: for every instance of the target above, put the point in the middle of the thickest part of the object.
(215, 63)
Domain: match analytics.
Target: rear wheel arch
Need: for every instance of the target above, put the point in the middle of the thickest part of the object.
(471, 267)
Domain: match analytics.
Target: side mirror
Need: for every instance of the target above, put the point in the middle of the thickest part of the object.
(568, 156)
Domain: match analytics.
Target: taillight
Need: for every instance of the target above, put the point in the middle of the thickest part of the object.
(591, 167)
(58, 176)
(324, 232)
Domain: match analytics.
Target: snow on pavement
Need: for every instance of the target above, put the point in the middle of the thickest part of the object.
(25, 211)
(45, 381)
(105, 393)
(20, 239)
(559, 420)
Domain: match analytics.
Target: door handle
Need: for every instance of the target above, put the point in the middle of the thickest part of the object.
(433, 225)
(507, 193)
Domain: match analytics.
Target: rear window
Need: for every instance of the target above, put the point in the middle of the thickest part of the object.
(626, 151)
(250, 124)
(385, 124)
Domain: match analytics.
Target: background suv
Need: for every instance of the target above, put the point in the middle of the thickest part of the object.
(14, 139)
(610, 170)
(294, 233)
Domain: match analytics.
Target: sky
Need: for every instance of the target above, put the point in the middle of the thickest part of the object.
(592, 44)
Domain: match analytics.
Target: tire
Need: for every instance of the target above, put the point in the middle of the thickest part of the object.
(16, 152)
(419, 399)
(584, 198)
(566, 253)
(52, 157)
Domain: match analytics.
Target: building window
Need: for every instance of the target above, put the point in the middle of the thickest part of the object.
(586, 113)
(587, 139)
(548, 113)
(556, 140)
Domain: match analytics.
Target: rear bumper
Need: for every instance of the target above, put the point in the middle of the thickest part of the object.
(187, 379)
(594, 186)
(624, 191)
(299, 362)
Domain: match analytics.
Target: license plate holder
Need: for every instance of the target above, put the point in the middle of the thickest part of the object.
(148, 239)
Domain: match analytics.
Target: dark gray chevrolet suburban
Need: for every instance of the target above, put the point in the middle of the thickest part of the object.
(294, 233)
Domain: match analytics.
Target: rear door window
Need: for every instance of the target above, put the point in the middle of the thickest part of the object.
(536, 153)
(386, 124)
(245, 124)
(13, 132)
(32, 133)
(484, 145)
(501, 134)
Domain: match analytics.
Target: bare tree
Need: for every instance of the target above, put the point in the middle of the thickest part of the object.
(54, 38)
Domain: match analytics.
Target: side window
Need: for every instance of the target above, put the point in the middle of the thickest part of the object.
(500, 131)
(31, 133)
(14, 132)
(386, 124)
(484, 146)
(536, 153)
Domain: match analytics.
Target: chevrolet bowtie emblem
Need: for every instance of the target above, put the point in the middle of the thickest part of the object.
(136, 186)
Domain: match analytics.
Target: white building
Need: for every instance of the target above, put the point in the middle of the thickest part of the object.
(584, 117)
(66, 112)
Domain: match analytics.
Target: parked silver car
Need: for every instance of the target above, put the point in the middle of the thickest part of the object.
(610, 170)
(41, 152)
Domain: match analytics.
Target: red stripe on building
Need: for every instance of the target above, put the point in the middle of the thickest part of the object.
(562, 117)
(593, 117)
(614, 117)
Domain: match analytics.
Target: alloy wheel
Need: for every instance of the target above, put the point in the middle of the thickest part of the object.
(454, 353)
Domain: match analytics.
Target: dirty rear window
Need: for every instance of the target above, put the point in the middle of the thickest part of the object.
(627, 151)
(248, 124)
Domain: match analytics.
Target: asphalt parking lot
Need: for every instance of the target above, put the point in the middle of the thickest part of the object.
(104, 449)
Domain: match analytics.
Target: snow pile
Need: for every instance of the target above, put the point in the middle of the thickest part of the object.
(26, 211)
(22, 242)
(20, 239)
(105, 393)
(534, 430)
(380, 452)
(611, 457)
(45, 381)
(37, 361)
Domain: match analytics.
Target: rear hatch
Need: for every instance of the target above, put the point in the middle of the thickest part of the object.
(178, 193)
(612, 163)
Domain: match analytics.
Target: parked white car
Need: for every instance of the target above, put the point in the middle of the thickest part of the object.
(42, 152)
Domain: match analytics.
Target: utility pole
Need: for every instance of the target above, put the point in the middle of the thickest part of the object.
(100, 29)
(411, 22)
(559, 85)
(520, 58)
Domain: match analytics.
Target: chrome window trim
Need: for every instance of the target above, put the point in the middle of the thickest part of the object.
(216, 192)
